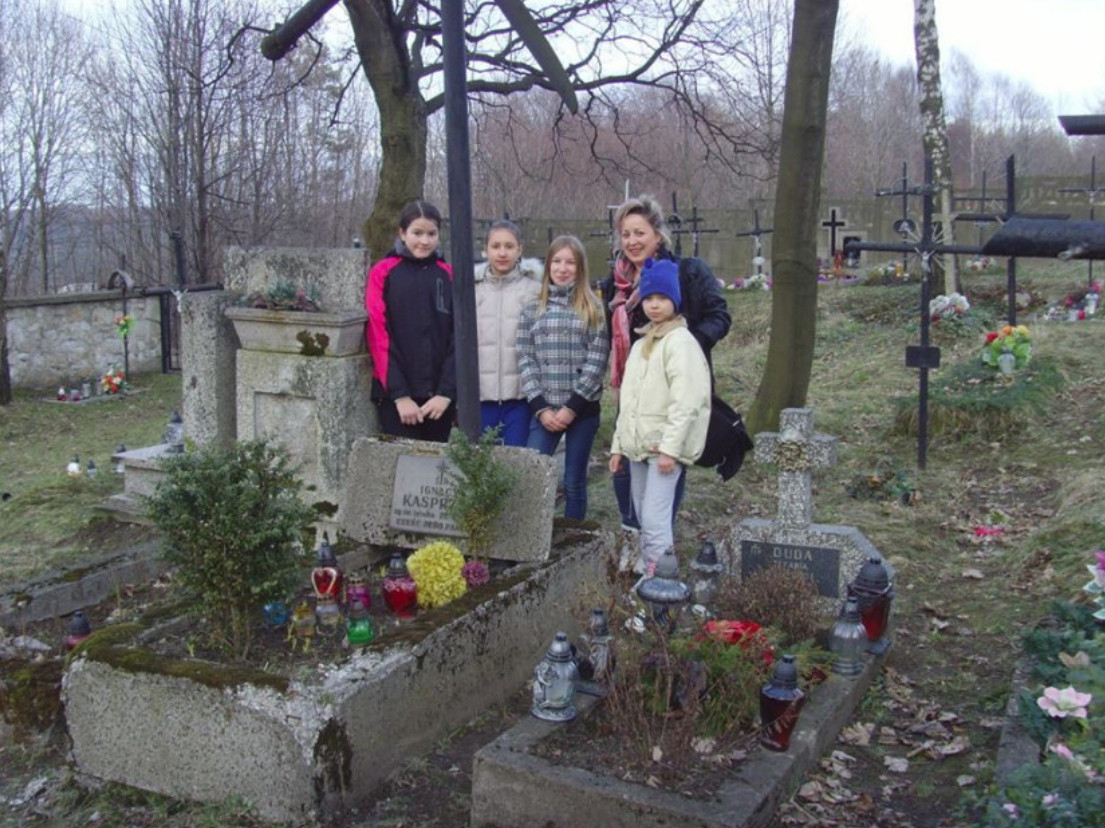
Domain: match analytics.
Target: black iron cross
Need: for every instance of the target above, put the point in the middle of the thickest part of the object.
(923, 356)
(676, 222)
(832, 224)
(905, 226)
(458, 167)
(756, 233)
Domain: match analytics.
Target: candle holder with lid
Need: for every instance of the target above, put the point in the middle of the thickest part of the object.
(664, 592)
(327, 577)
(781, 701)
(400, 590)
(874, 594)
(849, 640)
(707, 577)
(555, 679)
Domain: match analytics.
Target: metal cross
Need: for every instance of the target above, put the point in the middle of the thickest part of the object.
(676, 222)
(923, 356)
(756, 233)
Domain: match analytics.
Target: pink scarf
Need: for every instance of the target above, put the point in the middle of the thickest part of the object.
(624, 301)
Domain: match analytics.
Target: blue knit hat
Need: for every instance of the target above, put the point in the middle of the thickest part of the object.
(661, 276)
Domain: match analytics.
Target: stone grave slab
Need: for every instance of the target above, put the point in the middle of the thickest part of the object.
(337, 275)
(308, 747)
(832, 555)
(396, 492)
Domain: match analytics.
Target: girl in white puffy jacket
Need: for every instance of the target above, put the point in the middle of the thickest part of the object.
(505, 284)
(664, 409)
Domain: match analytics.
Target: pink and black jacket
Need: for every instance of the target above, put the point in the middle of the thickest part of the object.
(410, 327)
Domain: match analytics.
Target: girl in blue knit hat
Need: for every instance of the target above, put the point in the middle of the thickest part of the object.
(664, 409)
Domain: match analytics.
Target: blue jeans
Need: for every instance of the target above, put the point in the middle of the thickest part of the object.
(623, 493)
(512, 415)
(579, 437)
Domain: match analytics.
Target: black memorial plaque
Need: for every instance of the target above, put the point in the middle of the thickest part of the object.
(820, 563)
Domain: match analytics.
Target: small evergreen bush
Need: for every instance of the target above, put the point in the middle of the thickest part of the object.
(482, 484)
(231, 521)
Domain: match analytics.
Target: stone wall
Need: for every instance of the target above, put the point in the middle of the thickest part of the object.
(61, 340)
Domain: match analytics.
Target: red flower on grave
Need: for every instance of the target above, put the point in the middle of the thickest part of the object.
(748, 634)
(990, 337)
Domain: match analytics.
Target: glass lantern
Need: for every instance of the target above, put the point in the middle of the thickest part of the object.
(358, 626)
(555, 679)
(707, 576)
(664, 592)
(781, 701)
(357, 592)
(1007, 361)
(79, 629)
(400, 590)
(598, 665)
(849, 640)
(327, 613)
(874, 594)
(327, 577)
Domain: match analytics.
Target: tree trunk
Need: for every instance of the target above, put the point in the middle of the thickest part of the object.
(935, 135)
(794, 250)
(387, 65)
(5, 368)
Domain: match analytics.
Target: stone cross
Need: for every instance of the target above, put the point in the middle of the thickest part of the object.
(797, 451)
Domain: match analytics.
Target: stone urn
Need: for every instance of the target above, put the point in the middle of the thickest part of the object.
(308, 333)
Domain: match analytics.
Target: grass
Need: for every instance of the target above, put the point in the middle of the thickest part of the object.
(51, 520)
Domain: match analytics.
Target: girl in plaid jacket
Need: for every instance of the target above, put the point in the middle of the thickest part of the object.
(562, 352)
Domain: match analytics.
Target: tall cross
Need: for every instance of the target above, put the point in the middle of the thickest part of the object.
(756, 233)
(797, 451)
(609, 233)
(832, 224)
(676, 222)
(921, 356)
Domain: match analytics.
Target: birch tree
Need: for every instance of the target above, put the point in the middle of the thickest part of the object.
(935, 135)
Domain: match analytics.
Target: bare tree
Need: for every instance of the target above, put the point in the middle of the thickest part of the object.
(794, 254)
(400, 50)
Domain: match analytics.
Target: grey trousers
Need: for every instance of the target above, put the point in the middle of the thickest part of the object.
(653, 501)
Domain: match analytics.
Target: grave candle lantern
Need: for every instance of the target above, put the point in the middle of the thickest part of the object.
(707, 575)
(327, 577)
(554, 682)
(599, 663)
(358, 626)
(874, 594)
(62, 396)
(92, 470)
(357, 592)
(400, 590)
(79, 629)
(120, 464)
(327, 613)
(781, 701)
(849, 640)
(664, 592)
(275, 613)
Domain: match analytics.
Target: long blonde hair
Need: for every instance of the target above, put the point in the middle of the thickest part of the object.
(584, 302)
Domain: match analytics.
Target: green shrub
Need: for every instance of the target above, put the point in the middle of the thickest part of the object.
(230, 521)
(482, 484)
(969, 399)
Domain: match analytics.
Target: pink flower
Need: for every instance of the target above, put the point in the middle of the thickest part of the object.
(475, 573)
(1062, 751)
(1100, 555)
(1010, 808)
(1062, 703)
(989, 531)
(1049, 800)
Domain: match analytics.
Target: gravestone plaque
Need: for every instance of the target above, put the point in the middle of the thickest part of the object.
(421, 495)
(822, 564)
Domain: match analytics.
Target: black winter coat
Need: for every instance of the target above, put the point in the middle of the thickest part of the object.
(703, 306)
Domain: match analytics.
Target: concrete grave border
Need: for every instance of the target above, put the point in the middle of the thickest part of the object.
(513, 787)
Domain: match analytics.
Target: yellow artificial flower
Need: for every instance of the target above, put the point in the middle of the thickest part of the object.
(436, 569)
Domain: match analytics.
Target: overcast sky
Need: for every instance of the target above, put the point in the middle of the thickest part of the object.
(1057, 46)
